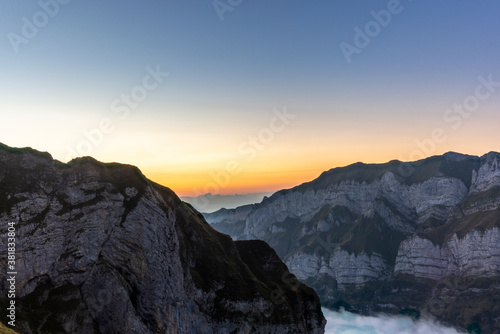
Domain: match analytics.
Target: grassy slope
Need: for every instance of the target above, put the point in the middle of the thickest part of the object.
(6, 330)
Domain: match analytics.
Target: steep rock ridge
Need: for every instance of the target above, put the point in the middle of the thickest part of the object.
(488, 175)
(390, 236)
(101, 249)
(232, 221)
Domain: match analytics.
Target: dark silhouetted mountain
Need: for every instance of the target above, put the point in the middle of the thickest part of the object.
(101, 249)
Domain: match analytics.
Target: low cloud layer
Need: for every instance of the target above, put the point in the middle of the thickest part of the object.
(348, 323)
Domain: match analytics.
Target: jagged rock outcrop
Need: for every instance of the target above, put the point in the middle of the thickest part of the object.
(477, 254)
(101, 249)
(389, 236)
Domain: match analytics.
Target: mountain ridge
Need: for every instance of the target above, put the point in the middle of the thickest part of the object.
(102, 249)
(209, 203)
(358, 232)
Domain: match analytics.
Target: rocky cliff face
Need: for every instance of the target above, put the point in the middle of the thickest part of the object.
(101, 249)
(390, 236)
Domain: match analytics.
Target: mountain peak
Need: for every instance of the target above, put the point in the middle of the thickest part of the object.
(105, 250)
(454, 156)
(25, 151)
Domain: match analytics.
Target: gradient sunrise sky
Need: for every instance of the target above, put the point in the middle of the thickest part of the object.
(271, 93)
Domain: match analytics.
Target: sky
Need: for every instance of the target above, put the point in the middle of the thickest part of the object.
(237, 96)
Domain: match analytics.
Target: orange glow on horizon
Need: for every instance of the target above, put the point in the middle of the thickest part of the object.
(269, 177)
(200, 184)
(266, 175)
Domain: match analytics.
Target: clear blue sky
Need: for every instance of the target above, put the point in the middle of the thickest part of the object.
(226, 77)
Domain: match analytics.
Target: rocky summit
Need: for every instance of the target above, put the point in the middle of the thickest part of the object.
(420, 237)
(101, 249)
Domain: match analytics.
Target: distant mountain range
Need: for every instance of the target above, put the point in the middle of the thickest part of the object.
(421, 237)
(101, 249)
(209, 203)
